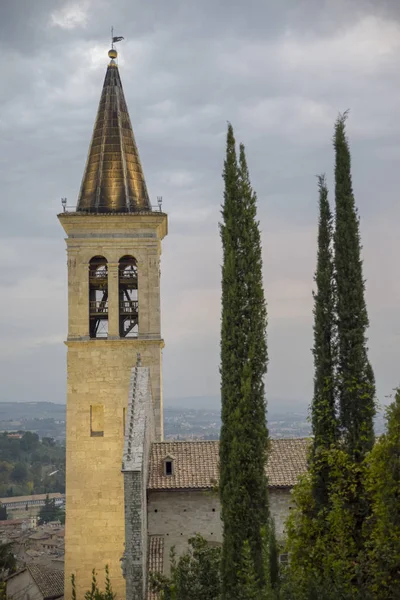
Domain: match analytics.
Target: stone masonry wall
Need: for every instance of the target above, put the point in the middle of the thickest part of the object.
(178, 515)
(135, 542)
(280, 502)
(139, 434)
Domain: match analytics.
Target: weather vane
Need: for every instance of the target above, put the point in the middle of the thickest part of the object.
(117, 38)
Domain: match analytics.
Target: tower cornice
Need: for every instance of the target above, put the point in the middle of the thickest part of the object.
(79, 224)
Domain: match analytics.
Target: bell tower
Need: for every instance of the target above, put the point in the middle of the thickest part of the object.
(113, 247)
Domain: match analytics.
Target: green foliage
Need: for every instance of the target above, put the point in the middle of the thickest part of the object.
(73, 584)
(355, 379)
(50, 512)
(244, 435)
(3, 512)
(8, 563)
(95, 593)
(271, 558)
(352, 550)
(327, 528)
(48, 441)
(19, 474)
(26, 464)
(247, 587)
(195, 575)
(29, 441)
(383, 527)
(323, 407)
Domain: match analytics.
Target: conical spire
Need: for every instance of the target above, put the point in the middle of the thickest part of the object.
(113, 181)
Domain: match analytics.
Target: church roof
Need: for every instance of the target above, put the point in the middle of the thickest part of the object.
(196, 464)
(156, 561)
(113, 181)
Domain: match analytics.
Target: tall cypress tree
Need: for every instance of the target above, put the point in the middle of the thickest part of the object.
(356, 385)
(244, 434)
(383, 484)
(323, 408)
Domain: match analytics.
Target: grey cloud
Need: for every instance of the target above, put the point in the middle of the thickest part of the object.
(280, 72)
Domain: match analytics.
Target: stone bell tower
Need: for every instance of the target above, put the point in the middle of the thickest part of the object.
(114, 247)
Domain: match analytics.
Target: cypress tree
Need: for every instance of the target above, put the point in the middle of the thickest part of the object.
(308, 528)
(323, 408)
(355, 378)
(244, 434)
(356, 386)
(383, 531)
(326, 528)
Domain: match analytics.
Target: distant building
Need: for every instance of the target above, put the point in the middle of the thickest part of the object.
(18, 503)
(49, 537)
(22, 524)
(36, 540)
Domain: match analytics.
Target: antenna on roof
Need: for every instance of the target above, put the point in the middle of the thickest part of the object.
(159, 200)
(64, 203)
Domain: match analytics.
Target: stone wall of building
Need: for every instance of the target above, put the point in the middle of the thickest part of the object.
(178, 515)
(139, 434)
(280, 502)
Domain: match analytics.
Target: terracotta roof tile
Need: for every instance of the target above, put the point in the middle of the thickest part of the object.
(49, 581)
(10, 522)
(287, 461)
(156, 561)
(196, 464)
(31, 498)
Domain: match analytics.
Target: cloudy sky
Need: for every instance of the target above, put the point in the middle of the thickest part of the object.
(280, 72)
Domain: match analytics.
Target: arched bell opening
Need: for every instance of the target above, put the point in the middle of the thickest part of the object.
(128, 297)
(98, 297)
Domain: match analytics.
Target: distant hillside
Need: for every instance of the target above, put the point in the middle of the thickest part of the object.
(275, 405)
(30, 466)
(184, 418)
(44, 418)
(33, 410)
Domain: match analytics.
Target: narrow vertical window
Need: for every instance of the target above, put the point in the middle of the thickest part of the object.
(98, 297)
(168, 465)
(128, 297)
(97, 420)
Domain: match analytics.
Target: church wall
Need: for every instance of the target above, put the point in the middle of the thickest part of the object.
(178, 515)
(280, 501)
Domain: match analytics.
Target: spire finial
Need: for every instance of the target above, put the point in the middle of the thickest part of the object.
(113, 53)
(121, 188)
